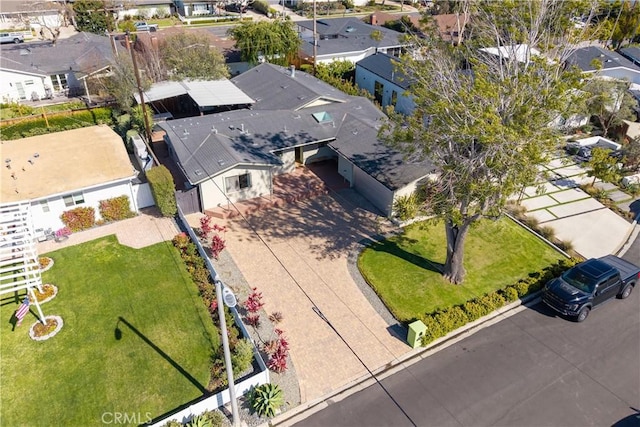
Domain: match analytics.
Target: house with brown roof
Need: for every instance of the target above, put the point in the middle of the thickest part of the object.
(59, 171)
(449, 26)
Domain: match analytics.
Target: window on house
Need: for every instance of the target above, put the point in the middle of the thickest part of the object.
(28, 82)
(59, 82)
(394, 98)
(44, 205)
(73, 199)
(238, 182)
(377, 92)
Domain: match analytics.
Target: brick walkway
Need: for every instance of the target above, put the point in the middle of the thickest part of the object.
(146, 229)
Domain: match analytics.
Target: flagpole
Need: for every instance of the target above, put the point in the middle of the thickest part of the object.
(35, 300)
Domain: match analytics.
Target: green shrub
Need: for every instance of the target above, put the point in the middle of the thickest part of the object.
(242, 356)
(56, 123)
(163, 190)
(261, 6)
(474, 310)
(266, 399)
(452, 318)
(406, 207)
(79, 218)
(434, 329)
(115, 209)
(510, 294)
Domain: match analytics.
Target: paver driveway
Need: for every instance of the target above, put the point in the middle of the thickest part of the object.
(297, 256)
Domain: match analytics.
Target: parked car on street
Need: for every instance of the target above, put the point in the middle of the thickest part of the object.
(145, 26)
(11, 38)
(589, 284)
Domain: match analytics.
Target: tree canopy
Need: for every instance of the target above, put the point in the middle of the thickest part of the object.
(275, 41)
(481, 118)
(610, 102)
(92, 16)
(188, 55)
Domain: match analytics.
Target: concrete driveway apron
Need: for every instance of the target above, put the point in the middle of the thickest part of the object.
(301, 260)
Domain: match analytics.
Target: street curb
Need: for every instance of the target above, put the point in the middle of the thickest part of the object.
(632, 234)
(307, 409)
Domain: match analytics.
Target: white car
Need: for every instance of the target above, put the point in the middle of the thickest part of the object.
(143, 26)
(11, 38)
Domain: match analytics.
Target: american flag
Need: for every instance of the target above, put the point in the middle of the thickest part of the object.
(22, 311)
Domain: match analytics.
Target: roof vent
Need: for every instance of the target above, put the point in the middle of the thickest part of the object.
(221, 162)
(214, 130)
(197, 172)
(185, 132)
(350, 29)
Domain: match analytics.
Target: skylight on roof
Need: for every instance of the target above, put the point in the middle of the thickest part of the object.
(322, 117)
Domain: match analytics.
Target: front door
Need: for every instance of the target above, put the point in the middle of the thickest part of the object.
(299, 155)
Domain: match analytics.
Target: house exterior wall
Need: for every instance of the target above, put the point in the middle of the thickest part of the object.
(11, 81)
(345, 169)
(145, 11)
(212, 197)
(347, 56)
(379, 195)
(632, 76)
(92, 198)
(288, 157)
(366, 80)
(317, 152)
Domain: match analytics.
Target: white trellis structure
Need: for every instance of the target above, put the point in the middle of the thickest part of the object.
(19, 263)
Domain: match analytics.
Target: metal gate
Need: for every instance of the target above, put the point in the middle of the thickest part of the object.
(188, 200)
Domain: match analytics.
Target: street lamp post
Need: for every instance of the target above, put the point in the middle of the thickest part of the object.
(230, 300)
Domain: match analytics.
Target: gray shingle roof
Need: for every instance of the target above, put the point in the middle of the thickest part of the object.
(82, 53)
(583, 58)
(382, 65)
(274, 88)
(632, 53)
(209, 145)
(338, 35)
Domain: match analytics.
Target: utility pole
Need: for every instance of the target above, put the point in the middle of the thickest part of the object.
(315, 38)
(142, 103)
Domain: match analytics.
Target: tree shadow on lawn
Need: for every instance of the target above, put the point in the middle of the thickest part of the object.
(394, 247)
(165, 356)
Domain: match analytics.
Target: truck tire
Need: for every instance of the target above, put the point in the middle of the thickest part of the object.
(16, 40)
(583, 314)
(626, 291)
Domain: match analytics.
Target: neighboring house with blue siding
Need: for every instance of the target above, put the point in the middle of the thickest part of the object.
(378, 75)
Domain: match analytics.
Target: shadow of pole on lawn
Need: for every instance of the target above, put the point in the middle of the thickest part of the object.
(165, 356)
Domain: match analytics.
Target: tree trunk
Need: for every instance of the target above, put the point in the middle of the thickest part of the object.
(453, 266)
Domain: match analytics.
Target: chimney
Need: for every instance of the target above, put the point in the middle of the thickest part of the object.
(292, 68)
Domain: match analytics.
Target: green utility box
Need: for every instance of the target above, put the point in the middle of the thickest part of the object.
(417, 330)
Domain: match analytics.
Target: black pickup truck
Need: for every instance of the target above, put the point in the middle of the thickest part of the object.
(590, 283)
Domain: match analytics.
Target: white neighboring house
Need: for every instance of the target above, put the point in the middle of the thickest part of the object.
(379, 75)
(595, 61)
(59, 171)
(347, 39)
(40, 70)
(16, 14)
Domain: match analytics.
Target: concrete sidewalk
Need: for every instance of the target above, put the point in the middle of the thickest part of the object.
(148, 228)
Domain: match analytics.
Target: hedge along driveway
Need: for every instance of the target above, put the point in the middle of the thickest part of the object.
(405, 270)
(136, 339)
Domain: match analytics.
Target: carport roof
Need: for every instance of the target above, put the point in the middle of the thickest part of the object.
(210, 93)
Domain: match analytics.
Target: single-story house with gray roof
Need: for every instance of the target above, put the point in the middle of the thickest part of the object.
(379, 75)
(37, 70)
(596, 61)
(347, 39)
(235, 155)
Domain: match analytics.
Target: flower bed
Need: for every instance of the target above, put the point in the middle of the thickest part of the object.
(45, 263)
(48, 293)
(40, 332)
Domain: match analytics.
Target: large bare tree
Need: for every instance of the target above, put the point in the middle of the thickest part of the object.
(483, 109)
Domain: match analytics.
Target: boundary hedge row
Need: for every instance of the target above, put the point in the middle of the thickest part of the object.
(441, 322)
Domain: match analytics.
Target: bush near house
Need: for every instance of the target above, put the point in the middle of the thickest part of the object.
(115, 209)
(79, 219)
(56, 123)
(163, 190)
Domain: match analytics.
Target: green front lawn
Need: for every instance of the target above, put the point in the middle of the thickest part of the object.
(154, 360)
(404, 270)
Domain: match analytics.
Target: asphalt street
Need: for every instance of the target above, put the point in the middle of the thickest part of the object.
(532, 369)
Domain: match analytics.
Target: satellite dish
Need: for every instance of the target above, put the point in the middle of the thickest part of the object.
(229, 298)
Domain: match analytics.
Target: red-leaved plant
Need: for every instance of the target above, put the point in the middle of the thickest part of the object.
(278, 351)
(254, 303)
(211, 232)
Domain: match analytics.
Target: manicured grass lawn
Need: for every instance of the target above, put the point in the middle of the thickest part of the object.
(404, 270)
(97, 364)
